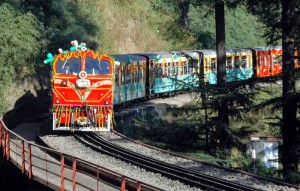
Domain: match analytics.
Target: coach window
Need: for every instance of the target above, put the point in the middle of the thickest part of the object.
(184, 68)
(140, 73)
(151, 68)
(170, 70)
(229, 62)
(266, 60)
(213, 64)
(262, 60)
(173, 69)
(159, 71)
(192, 66)
(134, 74)
(128, 77)
(237, 62)
(137, 72)
(165, 69)
(176, 69)
(277, 59)
(123, 70)
(188, 68)
(117, 76)
(68, 66)
(244, 62)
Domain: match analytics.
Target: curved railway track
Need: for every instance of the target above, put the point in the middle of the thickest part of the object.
(190, 177)
(275, 181)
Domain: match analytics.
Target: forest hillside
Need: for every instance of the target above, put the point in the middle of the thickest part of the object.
(29, 29)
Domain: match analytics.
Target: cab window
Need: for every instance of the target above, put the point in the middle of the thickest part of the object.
(68, 66)
(94, 66)
(104, 67)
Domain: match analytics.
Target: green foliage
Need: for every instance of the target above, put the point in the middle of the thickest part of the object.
(242, 29)
(294, 177)
(65, 21)
(268, 12)
(20, 37)
(240, 160)
(21, 42)
(202, 156)
(261, 170)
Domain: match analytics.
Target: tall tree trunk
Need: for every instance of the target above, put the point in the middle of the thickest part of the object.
(221, 71)
(184, 7)
(289, 113)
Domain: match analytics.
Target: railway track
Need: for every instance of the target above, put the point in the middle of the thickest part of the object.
(125, 140)
(189, 177)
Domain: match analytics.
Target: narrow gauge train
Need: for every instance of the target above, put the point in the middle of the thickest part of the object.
(86, 85)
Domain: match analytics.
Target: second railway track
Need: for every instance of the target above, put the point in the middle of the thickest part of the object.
(190, 177)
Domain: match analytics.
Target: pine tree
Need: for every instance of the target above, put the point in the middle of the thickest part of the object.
(221, 72)
(289, 113)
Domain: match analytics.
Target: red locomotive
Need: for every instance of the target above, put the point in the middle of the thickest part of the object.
(82, 84)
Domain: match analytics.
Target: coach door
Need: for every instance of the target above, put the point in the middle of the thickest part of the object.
(264, 63)
(276, 62)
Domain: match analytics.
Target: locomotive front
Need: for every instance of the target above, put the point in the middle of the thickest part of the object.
(82, 91)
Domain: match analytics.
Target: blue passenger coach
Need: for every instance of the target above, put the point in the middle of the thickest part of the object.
(130, 78)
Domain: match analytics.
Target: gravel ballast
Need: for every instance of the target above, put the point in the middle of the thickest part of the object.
(69, 145)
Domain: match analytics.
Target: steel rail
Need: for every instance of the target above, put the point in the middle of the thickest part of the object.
(190, 177)
(276, 181)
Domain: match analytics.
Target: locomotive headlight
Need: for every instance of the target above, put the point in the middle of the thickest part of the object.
(106, 102)
(57, 101)
(64, 83)
(83, 83)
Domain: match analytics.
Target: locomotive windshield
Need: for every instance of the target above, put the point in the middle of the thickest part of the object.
(68, 66)
(94, 66)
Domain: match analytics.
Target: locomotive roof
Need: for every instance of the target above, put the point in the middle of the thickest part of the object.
(125, 57)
